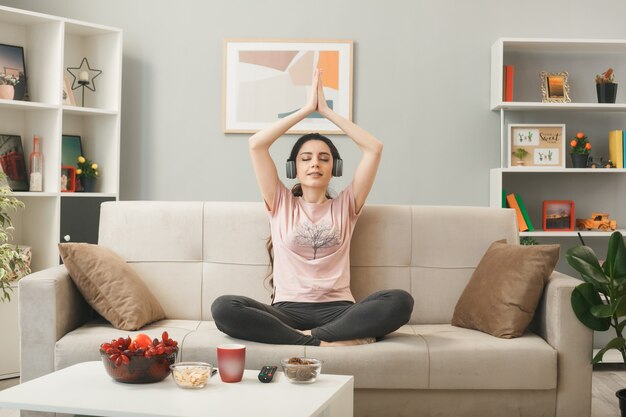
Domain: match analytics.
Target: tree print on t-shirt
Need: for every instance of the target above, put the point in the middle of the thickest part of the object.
(317, 236)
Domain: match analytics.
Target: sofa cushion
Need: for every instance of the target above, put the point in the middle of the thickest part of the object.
(504, 290)
(110, 285)
(399, 361)
(469, 359)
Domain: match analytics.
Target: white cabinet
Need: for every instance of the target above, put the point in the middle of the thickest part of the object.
(51, 45)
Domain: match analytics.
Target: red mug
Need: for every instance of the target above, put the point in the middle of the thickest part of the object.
(231, 361)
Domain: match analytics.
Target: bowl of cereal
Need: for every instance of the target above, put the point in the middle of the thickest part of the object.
(191, 374)
(301, 370)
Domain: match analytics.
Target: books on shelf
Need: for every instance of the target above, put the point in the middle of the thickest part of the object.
(507, 84)
(616, 147)
(515, 202)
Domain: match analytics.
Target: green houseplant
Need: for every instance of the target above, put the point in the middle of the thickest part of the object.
(600, 301)
(14, 260)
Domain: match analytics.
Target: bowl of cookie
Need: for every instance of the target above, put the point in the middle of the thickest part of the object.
(301, 370)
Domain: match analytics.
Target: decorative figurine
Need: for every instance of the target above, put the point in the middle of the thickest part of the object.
(597, 221)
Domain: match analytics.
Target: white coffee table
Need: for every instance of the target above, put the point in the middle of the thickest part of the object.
(87, 389)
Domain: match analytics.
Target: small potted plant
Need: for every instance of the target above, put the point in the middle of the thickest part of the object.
(520, 154)
(87, 173)
(579, 150)
(14, 260)
(606, 87)
(7, 83)
(600, 301)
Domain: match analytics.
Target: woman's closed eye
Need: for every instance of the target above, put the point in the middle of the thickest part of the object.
(321, 159)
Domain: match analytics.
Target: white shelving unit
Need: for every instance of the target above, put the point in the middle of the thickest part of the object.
(52, 44)
(592, 190)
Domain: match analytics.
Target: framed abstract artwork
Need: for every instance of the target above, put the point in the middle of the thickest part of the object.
(536, 146)
(266, 80)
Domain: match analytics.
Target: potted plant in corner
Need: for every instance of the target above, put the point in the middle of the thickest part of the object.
(14, 260)
(520, 154)
(606, 87)
(579, 150)
(600, 301)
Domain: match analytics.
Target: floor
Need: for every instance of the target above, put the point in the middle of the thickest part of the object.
(607, 378)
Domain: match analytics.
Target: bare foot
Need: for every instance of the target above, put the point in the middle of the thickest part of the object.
(353, 342)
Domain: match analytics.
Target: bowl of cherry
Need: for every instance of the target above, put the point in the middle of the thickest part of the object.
(139, 360)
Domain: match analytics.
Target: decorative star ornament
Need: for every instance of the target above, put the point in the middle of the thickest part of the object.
(84, 67)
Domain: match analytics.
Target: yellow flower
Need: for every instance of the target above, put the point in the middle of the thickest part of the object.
(96, 173)
(79, 171)
(94, 166)
(81, 160)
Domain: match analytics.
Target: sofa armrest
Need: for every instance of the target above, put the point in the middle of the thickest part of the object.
(49, 307)
(556, 322)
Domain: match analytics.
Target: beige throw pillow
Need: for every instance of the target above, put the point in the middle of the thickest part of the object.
(504, 290)
(110, 285)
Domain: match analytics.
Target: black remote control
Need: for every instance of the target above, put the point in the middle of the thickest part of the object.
(267, 373)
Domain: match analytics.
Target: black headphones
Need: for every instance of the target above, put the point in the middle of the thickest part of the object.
(337, 168)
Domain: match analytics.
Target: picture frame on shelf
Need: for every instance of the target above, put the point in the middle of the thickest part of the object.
(12, 64)
(536, 146)
(268, 79)
(558, 215)
(68, 94)
(555, 87)
(71, 149)
(68, 178)
(13, 163)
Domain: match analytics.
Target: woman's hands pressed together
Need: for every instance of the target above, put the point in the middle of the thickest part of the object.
(312, 100)
(322, 106)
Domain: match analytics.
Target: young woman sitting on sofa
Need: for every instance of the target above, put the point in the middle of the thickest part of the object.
(310, 234)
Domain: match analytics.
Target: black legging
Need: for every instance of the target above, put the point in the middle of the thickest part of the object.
(375, 316)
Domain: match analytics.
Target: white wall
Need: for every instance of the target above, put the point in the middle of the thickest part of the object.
(421, 85)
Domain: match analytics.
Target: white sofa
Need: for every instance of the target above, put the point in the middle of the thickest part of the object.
(189, 253)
